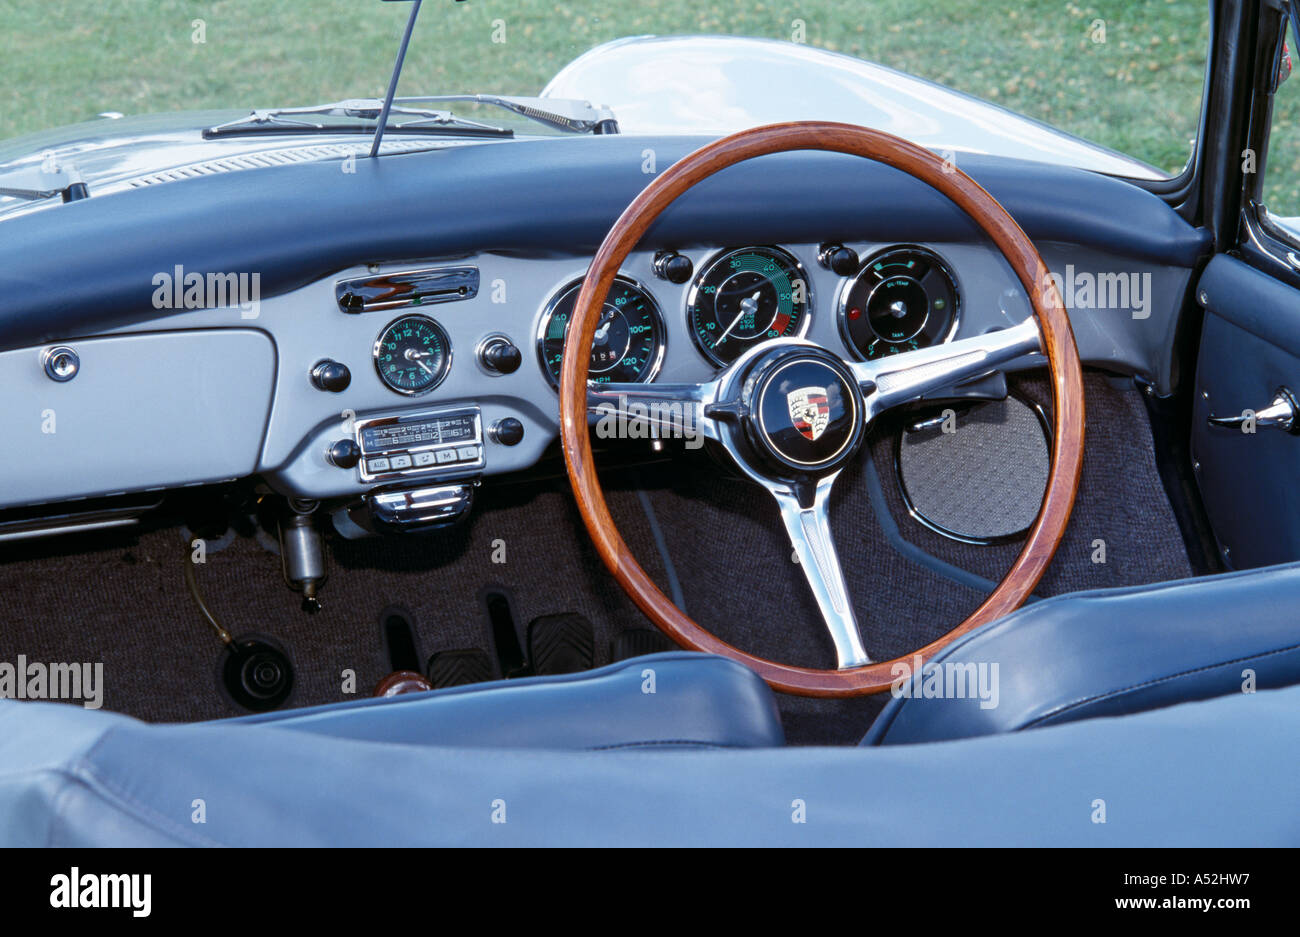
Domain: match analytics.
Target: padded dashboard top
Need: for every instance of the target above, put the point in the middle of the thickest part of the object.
(82, 267)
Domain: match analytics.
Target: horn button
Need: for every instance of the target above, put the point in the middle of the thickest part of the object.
(803, 411)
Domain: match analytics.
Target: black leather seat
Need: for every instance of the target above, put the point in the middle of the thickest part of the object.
(1109, 653)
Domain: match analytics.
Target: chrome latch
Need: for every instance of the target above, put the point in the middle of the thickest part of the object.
(1283, 413)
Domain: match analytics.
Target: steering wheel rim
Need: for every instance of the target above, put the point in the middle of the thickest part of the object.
(1055, 336)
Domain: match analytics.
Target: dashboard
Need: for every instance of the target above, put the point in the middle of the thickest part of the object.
(382, 376)
(672, 315)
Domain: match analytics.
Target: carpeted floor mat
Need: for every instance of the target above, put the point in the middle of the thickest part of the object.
(120, 598)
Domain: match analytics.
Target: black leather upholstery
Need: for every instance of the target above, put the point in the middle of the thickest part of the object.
(1115, 651)
(678, 698)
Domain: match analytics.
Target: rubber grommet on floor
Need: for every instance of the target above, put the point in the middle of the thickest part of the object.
(256, 674)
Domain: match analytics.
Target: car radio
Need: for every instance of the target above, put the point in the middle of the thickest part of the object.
(431, 443)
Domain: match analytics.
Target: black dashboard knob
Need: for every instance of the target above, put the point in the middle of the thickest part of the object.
(838, 259)
(501, 355)
(332, 376)
(507, 432)
(673, 267)
(344, 454)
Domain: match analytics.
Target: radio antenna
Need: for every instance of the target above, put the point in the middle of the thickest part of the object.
(392, 84)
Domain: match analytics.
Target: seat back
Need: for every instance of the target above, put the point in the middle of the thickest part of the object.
(677, 698)
(1106, 653)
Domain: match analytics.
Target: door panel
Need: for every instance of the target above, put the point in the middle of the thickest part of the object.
(1250, 347)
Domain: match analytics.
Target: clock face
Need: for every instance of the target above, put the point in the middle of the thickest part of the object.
(412, 355)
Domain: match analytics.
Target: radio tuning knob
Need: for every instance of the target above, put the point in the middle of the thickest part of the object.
(507, 432)
(331, 376)
(344, 454)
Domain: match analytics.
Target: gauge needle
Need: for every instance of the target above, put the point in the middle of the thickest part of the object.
(604, 329)
(418, 357)
(748, 306)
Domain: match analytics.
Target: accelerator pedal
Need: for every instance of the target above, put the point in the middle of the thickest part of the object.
(637, 642)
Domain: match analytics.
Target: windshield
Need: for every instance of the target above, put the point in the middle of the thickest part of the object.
(1126, 75)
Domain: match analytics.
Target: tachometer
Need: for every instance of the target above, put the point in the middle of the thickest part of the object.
(902, 299)
(745, 297)
(412, 355)
(629, 342)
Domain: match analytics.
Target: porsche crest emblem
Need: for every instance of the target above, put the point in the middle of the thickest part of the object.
(810, 411)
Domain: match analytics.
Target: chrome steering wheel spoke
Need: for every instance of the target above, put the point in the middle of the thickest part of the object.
(889, 382)
(809, 529)
(661, 411)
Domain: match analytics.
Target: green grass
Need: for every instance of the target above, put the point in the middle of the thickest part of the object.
(1281, 193)
(1137, 92)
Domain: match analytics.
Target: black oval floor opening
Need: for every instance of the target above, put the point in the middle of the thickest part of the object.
(256, 674)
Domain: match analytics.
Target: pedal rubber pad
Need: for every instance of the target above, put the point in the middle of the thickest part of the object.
(564, 643)
(637, 642)
(459, 667)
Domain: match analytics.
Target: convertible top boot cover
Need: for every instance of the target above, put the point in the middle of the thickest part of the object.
(1107, 652)
(1214, 773)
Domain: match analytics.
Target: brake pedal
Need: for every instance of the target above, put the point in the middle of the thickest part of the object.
(459, 667)
(637, 642)
(564, 643)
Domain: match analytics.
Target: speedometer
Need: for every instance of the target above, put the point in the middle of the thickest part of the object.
(629, 343)
(745, 297)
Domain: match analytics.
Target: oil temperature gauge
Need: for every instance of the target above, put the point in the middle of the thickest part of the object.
(902, 299)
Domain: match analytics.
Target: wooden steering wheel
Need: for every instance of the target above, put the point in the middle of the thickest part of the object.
(791, 414)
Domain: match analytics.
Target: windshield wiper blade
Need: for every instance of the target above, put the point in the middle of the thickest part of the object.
(290, 120)
(568, 114)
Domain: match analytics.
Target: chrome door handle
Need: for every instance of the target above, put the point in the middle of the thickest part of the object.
(1283, 412)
